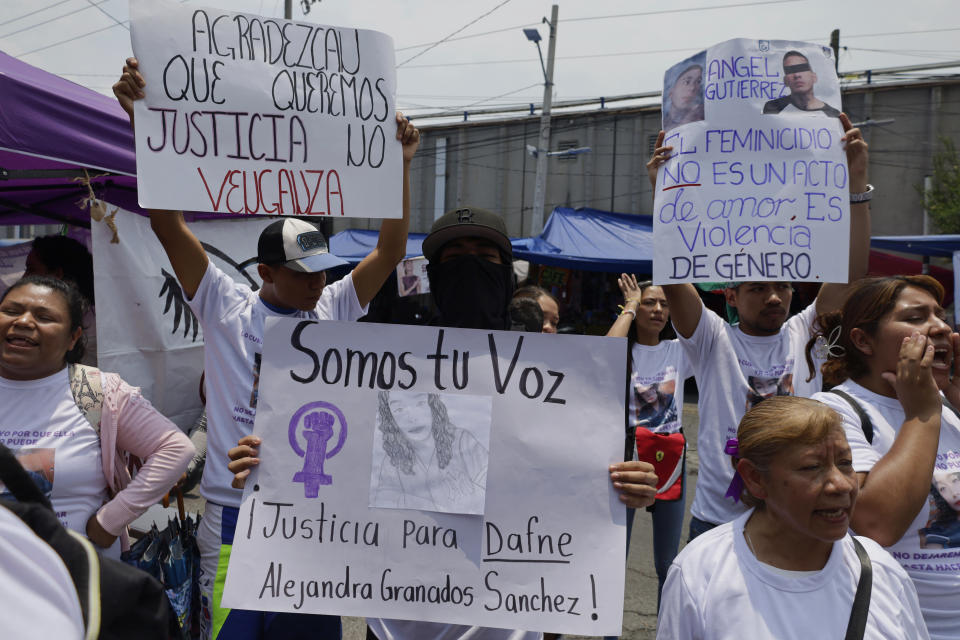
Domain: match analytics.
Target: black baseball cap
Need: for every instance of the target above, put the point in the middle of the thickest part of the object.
(467, 222)
(297, 244)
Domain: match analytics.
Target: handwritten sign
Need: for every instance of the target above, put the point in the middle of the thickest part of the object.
(444, 475)
(254, 115)
(757, 186)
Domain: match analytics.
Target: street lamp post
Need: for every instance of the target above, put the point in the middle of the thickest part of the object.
(543, 145)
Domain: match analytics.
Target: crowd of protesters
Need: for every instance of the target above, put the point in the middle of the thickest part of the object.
(838, 419)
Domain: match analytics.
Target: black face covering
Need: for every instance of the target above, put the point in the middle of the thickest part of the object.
(472, 293)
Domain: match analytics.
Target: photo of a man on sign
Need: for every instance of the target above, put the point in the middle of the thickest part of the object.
(801, 79)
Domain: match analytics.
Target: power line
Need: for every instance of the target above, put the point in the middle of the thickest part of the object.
(48, 21)
(579, 57)
(502, 95)
(101, 10)
(586, 18)
(439, 42)
(35, 11)
(897, 33)
(56, 44)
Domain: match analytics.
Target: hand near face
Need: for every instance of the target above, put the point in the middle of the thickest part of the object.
(952, 389)
(636, 482)
(913, 380)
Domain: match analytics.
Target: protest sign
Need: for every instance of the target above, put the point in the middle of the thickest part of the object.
(412, 277)
(146, 333)
(757, 186)
(255, 115)
(486, 453)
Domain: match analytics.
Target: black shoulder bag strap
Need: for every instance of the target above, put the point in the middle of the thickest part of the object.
(865, 422)
(861, 601)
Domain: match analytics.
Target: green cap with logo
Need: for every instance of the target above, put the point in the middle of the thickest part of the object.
(467, 222)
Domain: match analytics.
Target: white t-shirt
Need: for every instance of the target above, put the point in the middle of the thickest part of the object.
(232, 318)
(414, 630)
(716, 589)
(38, 596)
(659, 369)
(52, 440)
(934, 570)
(734, 371)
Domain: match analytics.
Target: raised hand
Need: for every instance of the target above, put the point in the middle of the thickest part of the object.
(913, 381)
(130, 86)
(629, 287)
(857, 155)
(660, 155)
(408, 135)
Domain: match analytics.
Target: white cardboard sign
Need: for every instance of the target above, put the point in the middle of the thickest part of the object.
(256, 115)
(757, 186)
(442, 475)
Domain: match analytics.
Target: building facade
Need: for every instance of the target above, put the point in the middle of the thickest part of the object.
(488, 164)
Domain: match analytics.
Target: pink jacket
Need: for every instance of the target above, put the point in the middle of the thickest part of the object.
(130, 425)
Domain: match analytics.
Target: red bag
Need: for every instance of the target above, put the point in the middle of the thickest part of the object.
(665, 451)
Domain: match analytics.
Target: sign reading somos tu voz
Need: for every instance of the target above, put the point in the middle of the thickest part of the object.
(255, 115)
(757, 186)
(444, 475)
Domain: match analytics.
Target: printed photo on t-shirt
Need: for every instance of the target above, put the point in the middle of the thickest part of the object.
(654, 404)
(761, 388)
(39, 465)
(254, 393)
(943, 526)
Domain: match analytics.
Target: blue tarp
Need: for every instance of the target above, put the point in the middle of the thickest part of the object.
(353, 245)
(593, 240)
(587, 239)
(942, 246)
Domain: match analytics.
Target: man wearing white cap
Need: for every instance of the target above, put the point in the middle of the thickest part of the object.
(293, 255)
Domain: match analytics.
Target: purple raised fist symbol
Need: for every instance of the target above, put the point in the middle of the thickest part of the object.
(316, 422)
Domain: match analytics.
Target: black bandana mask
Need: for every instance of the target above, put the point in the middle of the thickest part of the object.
(471, 292)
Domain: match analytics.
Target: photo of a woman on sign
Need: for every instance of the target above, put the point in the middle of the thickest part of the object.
(943, 531)
(683, 92)
(421, 460)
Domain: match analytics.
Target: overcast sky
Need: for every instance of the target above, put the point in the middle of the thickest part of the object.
(604, 47)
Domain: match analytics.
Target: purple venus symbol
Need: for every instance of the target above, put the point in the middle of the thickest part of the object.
(318, 420)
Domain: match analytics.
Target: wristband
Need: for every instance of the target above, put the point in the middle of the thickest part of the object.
(857, 198)
(630, 311)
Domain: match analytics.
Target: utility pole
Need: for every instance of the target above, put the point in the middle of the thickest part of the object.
(326, 224)
(543, 145)
(835, 45)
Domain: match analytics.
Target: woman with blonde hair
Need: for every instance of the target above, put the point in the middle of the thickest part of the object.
(789, 568)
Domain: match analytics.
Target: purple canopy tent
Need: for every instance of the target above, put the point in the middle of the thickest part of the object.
(52, 129)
